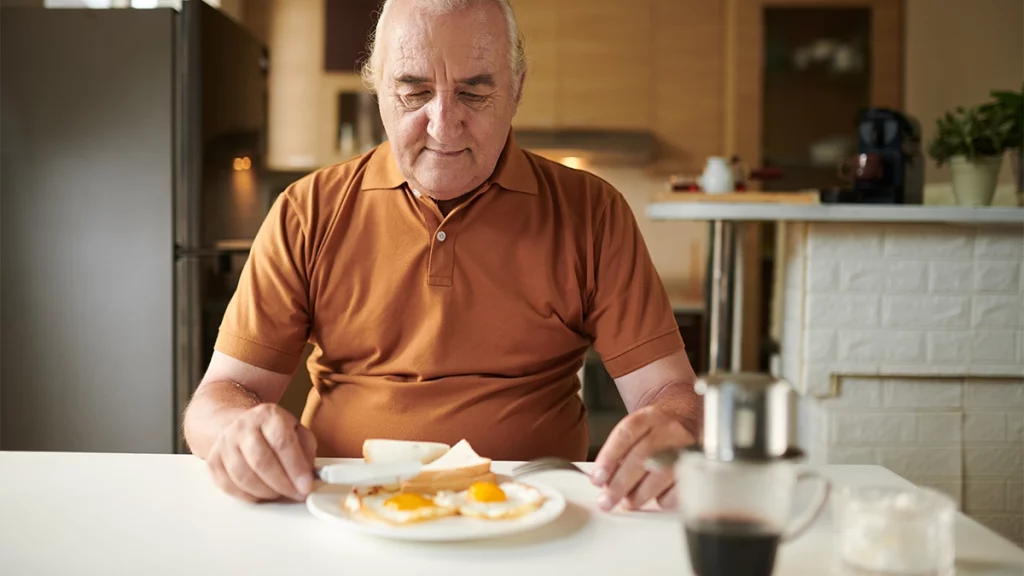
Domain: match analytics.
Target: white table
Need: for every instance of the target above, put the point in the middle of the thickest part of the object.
(108, 514)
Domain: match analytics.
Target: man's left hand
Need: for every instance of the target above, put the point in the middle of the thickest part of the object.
(619, 467)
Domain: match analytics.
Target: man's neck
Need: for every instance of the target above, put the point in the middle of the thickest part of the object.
(446, 206)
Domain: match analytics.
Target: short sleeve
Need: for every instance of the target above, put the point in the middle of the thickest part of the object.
(267, 320)
(630, 317)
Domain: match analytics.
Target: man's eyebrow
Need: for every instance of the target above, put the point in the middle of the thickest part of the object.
(410, 79)
(479, 80)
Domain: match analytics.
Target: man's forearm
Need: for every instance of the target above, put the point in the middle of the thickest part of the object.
(679, 399)
(214, 406)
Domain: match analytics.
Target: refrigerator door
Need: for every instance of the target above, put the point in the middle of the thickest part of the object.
(86, 259)
(222, 196)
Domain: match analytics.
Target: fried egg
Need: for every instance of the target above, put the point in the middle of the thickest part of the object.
(492, 501)
(397, 507)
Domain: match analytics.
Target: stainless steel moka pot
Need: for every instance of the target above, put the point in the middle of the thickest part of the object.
(746, 418)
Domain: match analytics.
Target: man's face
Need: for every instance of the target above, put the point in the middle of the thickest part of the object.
(446, 95)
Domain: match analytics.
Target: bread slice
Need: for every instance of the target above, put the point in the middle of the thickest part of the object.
(455, 470)
(382, 451)
(461, 459)
(456, 484)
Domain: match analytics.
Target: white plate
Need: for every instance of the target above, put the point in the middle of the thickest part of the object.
(326, 503)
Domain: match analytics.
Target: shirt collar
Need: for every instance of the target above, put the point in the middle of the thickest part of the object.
(514, 171)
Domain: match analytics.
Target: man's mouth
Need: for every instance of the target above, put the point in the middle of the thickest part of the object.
(447, 153)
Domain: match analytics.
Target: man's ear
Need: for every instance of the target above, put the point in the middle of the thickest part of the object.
(522, 85)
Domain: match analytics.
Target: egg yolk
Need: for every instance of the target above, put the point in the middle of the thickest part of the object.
(486, 492)
(408, 502)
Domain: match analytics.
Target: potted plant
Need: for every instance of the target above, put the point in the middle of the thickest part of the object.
(1013, 103)
(973, 140)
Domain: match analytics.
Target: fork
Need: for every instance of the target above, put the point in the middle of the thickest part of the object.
(544, 464)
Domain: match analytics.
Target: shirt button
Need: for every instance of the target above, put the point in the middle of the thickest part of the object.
(441, 235)
(416, 193)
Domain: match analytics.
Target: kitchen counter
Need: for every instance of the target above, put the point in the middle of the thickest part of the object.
(113, 514)
(738, 211)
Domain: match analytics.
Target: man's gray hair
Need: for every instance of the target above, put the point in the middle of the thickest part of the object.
(372, 68)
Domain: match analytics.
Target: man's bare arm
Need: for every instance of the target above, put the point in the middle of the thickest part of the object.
(668, 384)
(254, 449)
(664, 412)
(229, 388)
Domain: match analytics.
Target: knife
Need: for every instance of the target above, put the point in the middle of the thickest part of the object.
(367, 474)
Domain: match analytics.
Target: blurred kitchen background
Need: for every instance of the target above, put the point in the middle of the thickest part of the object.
(144, 141)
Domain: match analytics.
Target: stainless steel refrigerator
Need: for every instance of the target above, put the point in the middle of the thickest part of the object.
(131, 184)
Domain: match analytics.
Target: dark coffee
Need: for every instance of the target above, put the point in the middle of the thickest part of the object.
(732, 546)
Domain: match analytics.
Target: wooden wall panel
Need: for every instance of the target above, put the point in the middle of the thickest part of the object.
(295, 35)
(603, 59)
(687, 80)
(887, 23)
(538, 22)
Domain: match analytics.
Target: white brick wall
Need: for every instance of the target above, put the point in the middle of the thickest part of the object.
(962, 436)
(902, 299)
(908, 344)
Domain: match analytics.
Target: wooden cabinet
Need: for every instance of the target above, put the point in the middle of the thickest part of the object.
(688, 62)
(588, 64)
(347, 26)
(746, 122)
(295, 28)
(604, 71)
(538, 23)
(652, 65)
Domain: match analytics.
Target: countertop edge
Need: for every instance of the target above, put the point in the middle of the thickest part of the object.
(669, 210)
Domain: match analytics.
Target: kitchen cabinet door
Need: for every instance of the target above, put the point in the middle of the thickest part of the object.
(538, 22)
(604, 56)
(347, 29)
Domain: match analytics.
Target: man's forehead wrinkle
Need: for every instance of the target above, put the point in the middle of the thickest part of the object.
(481, 50)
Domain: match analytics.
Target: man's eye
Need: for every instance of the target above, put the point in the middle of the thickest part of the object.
(420, 95)
(471, 97)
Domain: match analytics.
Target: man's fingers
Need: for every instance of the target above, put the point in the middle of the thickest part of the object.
(668, 500)
(223, 481)
(242, 475)
(620, 442)
(308, 442)
(282, 437)
(628, 475)
(650, 487)
(265, 461)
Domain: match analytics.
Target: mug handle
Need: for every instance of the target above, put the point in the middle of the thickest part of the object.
(798, 525)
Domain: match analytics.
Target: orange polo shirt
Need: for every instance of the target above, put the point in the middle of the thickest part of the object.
(438, 328)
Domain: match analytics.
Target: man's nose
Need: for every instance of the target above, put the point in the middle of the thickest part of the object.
(445, 118)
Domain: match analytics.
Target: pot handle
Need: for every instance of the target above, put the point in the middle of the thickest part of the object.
(803, 520)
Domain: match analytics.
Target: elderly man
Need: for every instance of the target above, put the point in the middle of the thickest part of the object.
(450, 282)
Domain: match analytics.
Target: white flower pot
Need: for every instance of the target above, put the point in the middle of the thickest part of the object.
(974, 180)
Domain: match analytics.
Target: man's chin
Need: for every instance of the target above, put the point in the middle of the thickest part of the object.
(444, 183)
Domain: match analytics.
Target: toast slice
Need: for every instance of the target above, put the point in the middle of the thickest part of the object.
(456, 484)
(455, 470)
(383, 451)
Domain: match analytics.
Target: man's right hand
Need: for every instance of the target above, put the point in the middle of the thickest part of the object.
(263, 455)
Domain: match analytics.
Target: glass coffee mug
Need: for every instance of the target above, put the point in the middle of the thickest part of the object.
(737, 513)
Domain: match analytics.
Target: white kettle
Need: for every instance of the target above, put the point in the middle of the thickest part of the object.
(717, 177)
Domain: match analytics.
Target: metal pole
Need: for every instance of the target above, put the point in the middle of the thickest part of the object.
(721, 268)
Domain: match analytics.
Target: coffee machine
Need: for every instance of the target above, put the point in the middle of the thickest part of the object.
(892, 139)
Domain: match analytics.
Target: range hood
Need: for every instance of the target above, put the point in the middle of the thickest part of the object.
(595, 146)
